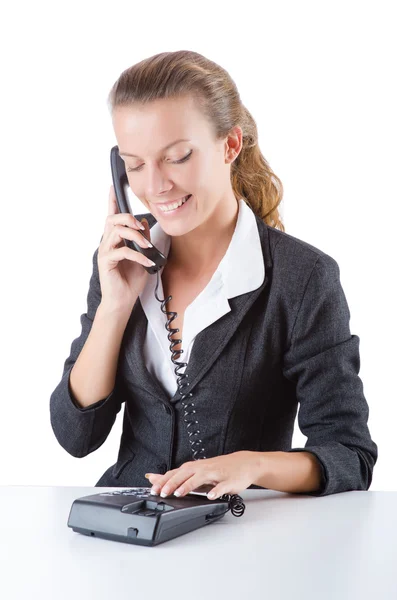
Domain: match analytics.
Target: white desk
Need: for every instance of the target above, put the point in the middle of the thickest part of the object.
(339, 547)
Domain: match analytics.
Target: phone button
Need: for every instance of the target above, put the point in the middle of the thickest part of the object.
(132, 532)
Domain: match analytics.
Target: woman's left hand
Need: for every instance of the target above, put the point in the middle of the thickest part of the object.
(226, 474)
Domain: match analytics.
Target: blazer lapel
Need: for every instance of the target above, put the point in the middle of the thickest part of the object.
(210, 342)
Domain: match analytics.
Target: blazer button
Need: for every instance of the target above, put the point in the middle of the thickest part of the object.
(162, 468)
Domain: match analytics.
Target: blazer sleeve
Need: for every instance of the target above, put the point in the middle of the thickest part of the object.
(83, 430)
(323, 361)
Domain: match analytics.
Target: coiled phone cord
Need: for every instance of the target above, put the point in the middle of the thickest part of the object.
(236, 504)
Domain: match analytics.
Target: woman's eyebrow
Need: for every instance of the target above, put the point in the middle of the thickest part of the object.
(165, 148)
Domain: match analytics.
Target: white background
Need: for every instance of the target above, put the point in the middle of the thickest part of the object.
(319, 79)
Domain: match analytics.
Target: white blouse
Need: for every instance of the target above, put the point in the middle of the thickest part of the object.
(241, 270)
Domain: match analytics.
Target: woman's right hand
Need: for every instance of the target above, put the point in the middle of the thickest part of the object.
(121, 272)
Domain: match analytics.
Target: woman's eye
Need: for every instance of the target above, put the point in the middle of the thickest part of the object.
(175, 162)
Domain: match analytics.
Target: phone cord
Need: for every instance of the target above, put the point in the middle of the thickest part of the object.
(236, 504)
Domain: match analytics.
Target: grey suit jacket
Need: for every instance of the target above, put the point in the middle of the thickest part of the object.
(285, 343)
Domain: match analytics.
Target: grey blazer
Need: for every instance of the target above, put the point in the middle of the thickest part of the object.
(285, 343)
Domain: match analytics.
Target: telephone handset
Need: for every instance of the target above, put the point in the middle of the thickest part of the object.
(120, 183)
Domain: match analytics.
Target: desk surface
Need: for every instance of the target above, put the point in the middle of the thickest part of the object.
(337, 547)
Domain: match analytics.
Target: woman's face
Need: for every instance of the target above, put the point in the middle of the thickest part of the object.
(199, 166)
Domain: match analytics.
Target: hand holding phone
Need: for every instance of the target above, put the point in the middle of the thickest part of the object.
(122, 270)
(120, 183)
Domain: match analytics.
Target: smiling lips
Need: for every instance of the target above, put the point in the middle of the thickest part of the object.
(173, 205)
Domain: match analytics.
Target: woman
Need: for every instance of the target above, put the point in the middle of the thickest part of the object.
(262, 318)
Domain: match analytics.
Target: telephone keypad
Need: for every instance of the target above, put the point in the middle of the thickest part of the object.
(139, 492)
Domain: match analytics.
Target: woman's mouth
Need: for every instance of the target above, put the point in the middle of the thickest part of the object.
(173, 207)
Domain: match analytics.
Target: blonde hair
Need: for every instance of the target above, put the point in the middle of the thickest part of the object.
(187, 73)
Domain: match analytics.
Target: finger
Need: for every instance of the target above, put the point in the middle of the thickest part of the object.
(224, 487)
(128, 233)
(146, 233)
(158, 481)
(216, 492)
(112, 202)
(195, 482)
(170, 486)
(177, 478)
(153, 477)
(181, 488)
